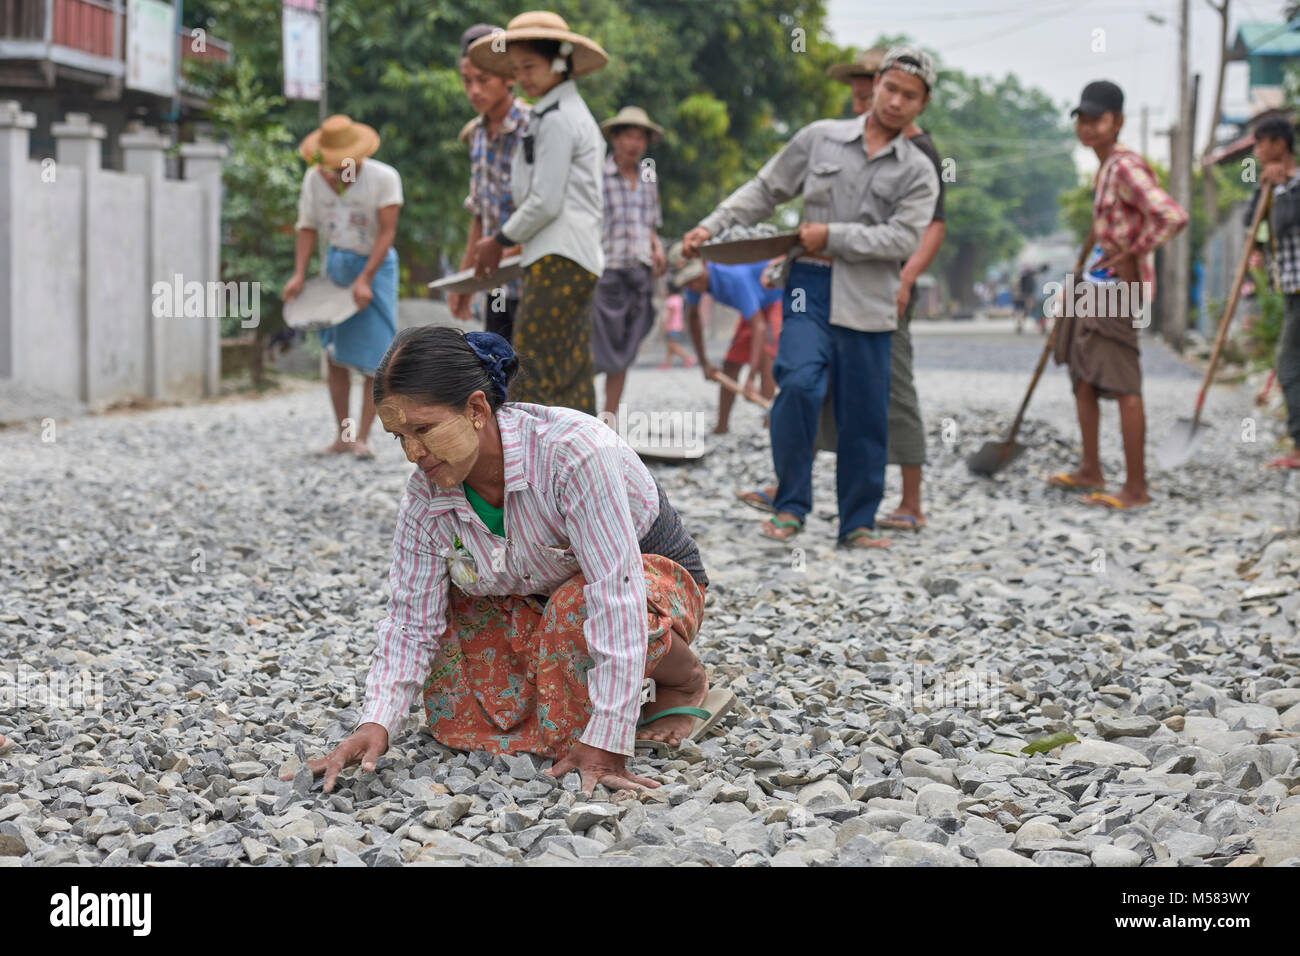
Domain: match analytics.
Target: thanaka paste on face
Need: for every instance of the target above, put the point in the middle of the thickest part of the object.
(454, 441)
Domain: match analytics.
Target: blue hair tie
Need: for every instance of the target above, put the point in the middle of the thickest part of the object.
(494, 352)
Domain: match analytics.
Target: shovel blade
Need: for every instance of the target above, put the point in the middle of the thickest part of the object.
(1182, 443)
(994, 456)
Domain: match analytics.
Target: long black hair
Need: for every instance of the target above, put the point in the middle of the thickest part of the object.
(440, 365)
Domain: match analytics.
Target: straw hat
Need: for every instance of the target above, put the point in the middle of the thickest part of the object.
(867, 64)
(683, 270)
(489, 52)
(339, 138)
(632, 116)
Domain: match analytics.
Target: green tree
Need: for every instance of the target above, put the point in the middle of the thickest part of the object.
(729, 79)
(260, 179)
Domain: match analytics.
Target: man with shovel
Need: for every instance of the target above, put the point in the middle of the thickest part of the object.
(1131, 216)
(1274, 151)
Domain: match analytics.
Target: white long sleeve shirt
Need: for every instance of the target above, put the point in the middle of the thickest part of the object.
(577, 499)
(559, 197)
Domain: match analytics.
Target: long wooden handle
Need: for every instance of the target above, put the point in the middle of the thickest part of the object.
(1261, 210)
(1047, 350)
(729, 383)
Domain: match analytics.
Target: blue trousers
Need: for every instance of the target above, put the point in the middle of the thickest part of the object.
(858, 363)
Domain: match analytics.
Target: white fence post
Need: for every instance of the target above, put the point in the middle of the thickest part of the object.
(15, 127)
(79, 143)
(202, 165)
(142, 155)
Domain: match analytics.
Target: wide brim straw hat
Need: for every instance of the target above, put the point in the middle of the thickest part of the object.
(337, 139)
(632, 116)
(489, 52)
(867, 64)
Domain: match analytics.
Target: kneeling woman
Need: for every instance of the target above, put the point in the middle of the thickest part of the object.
(539, 574)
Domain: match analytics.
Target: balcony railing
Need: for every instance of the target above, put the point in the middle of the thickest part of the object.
(82, 33)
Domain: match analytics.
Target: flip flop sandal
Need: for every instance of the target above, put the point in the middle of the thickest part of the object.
(758, 498)
(1109, 501)
(900, 522)
(1064, 479)
(859, 534)
(717, 705)
(1283, 463)
(779, 523)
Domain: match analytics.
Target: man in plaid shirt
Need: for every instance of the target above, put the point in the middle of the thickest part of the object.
(493, 137)
(621, 310)
(1274, 152)
(1131, 216)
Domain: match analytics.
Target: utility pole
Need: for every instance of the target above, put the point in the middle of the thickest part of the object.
(324, 59)
(1146, 146)
(1180, 181)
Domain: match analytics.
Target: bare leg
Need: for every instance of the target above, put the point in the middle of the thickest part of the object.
(1133, 426)
(680, 681)
(1089, 412)
(910, 504)
(614, 382)
(359, 447)
(726, 397)
(340, 380)
(768, 387)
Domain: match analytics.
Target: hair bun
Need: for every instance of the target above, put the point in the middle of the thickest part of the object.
(498, 358)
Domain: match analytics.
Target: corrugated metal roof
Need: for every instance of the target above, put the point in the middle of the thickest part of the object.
(1268, 39)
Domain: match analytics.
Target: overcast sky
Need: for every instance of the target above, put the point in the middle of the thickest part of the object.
(1048, 44)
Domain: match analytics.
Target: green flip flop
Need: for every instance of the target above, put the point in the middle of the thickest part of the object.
(717, 705)
(781, 523)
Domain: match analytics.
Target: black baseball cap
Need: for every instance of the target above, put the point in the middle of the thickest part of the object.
(1098, 97)
(473, 33)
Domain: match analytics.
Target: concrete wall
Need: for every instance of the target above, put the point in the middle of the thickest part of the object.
(81, 248)
(179, 250)
(47, 345)
(116, 271)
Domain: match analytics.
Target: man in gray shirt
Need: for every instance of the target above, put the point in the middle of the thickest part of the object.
(868, 194)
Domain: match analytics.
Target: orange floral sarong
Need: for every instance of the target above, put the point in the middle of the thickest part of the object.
(510, 675)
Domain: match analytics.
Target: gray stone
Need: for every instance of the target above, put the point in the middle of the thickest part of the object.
(1099, 753)
(1112, 856)
(823, 793)
(935, 798)
(1111, 727)
(1058, 858)
(999, 857)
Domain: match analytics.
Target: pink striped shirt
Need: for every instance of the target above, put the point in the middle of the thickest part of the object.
(577, 499)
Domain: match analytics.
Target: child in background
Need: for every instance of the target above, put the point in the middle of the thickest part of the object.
(674, 331)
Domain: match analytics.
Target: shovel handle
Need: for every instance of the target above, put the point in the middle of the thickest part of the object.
(1261, 210)
(731, 385)
(1047, 350)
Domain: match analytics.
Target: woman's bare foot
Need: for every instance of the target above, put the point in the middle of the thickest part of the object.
(691, 692)
(362, 450)
(720, 428)
(338, 448)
